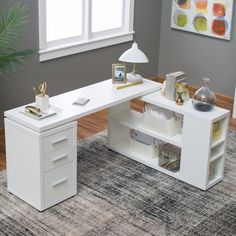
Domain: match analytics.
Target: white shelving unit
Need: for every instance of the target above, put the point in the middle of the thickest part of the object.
(202, 159)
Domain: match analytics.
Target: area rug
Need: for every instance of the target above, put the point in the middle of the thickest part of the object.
(118, 196)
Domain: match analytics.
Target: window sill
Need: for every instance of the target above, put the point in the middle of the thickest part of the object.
(70, 49)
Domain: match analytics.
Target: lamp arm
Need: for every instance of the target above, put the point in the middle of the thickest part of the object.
(134, 69)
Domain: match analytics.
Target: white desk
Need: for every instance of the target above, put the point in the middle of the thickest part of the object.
(41, 154)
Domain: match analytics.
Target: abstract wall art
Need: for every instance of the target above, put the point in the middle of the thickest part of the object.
(208, 17)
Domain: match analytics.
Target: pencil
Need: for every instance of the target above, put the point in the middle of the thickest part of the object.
(129, 85)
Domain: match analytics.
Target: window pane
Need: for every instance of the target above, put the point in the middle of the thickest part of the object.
(64, 19)
(106, 14)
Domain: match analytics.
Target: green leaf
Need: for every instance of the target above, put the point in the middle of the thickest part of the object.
(10, 31)
(11, 25)
(10, 62)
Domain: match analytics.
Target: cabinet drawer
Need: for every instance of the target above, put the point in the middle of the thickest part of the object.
(58, 140)
(59, 158)
(60, 184)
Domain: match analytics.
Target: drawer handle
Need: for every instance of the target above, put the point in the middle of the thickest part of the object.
(62, 181)
(56, 159)
(61, 140)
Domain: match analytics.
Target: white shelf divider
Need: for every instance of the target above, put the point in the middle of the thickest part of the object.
(218, 142)
(216, 156)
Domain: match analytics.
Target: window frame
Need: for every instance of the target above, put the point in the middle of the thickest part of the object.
(88, 40)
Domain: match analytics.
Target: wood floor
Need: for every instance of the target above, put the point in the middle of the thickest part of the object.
(88, 126)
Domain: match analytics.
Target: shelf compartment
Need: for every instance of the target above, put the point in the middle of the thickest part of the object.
(134, 120)
(219, 128)
(161, 120)
(218, 142)
(143, 144)
(122, 147)
(169, 157)
(216, 169)
(216, 156)
(213, 182)
(217, 151)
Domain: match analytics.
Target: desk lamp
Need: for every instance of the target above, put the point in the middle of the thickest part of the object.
(133, 55)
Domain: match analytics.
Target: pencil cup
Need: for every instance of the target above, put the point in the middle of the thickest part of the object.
(42, 102)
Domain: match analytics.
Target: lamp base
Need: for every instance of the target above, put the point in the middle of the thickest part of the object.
(133, 78)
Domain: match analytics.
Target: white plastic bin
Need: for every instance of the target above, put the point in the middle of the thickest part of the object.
(143, 149)
(169, 127)
(143, 144)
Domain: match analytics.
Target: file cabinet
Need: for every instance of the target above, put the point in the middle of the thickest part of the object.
(41, 167)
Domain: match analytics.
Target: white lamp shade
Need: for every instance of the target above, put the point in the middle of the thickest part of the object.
(134, 55)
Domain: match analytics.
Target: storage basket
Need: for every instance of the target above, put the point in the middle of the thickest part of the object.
(169, 156)
(143, 144)
(169, 127)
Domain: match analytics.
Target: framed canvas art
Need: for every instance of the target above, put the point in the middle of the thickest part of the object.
(208, 17)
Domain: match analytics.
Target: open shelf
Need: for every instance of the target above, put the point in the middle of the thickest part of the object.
(213, 182)
(134, 120)
(215, 170)
(217, 151)
(218, 142)
(216, 156)
(218, 131)
(122, 147)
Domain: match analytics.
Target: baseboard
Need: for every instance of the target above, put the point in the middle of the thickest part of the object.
(222, 100)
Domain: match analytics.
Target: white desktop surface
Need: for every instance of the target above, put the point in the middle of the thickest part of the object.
(102, 95)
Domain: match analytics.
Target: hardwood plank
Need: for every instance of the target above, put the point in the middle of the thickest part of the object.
(232, 124)
(2, 132)
(2, 162)
(92, 124)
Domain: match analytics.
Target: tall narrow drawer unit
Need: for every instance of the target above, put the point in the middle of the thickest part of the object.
(50, 163)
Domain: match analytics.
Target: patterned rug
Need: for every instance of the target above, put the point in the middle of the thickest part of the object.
(118, 196)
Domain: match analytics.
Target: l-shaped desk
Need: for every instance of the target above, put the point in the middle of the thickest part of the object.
(42, 154)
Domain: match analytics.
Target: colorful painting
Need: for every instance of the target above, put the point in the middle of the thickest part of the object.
(207, 17)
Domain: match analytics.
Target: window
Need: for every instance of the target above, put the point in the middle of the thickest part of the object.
(71, 26)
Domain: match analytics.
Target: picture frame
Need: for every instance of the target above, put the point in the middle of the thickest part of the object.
(118, 73)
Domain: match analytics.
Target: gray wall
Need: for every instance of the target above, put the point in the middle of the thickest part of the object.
(198, 56)
(75, 71)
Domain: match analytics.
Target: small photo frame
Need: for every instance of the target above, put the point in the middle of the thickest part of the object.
(118, 73)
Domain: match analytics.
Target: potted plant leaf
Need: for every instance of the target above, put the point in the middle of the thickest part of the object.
(11, 27)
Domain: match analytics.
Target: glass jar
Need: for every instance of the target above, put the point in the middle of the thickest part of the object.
(204, 99)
